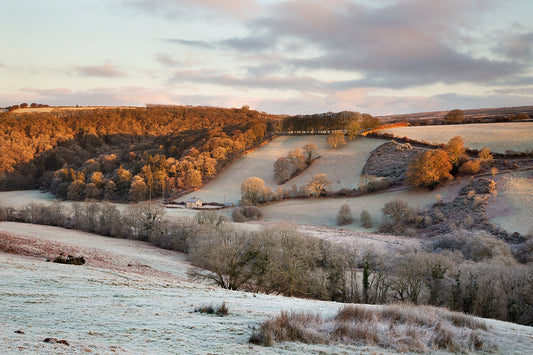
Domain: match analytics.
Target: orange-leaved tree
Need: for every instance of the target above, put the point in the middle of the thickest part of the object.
(429, 168)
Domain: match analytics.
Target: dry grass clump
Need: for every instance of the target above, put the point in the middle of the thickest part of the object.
(221, 311)
(403, 328)
(291, 326)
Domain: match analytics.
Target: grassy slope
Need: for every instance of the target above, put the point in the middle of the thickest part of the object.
(109, 306)
(513, 206)
(324, 211)
(499, 137)
(343, 167)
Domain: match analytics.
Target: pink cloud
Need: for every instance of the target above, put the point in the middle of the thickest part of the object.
(104, 70)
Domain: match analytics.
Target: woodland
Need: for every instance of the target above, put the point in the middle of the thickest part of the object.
(135, 154)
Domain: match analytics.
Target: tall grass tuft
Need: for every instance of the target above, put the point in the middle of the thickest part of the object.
(402, 328)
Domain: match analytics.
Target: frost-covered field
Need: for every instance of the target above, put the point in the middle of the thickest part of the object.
(342, 166)
(105, 307)
(324, 211)
(512, 208)
(499, 137)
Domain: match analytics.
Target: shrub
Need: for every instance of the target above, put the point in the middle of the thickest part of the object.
(344, 216)
(477, 245)
(366, 220)
(485, 156)
(471, 167)
(397, 212)
(371, 183)
(246, 213)
(210, 218)
(220, 311)
(71, 260)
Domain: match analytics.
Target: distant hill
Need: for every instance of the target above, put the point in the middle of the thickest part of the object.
(482, 113)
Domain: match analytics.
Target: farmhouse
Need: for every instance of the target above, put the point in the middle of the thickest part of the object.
(194, 203)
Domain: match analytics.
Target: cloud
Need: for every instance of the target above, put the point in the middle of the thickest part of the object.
(198, 44)
(104, 70)
(400, 44)
(517, 46)
(277, 82)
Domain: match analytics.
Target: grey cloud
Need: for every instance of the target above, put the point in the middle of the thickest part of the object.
(408, 43)
(104, 70)
(263, 69)
(167, 60)
(198, 44)
(519, 47)
(245, 44)
(291, 82)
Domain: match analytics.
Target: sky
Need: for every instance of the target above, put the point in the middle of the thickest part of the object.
(277, 56)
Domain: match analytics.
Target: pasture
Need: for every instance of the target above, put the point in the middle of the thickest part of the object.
(342, 166)
(499, 137)
(513, 206)
(131, 297)
(323, 211)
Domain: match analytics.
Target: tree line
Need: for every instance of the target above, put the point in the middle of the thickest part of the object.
(328, 122)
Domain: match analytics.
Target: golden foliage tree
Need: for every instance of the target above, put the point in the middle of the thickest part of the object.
(336, 139)
(455, 148)
(429, 168)
(485, 156)
(254, 190)
(318, 185)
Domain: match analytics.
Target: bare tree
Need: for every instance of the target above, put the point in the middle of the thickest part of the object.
(310, 151)
(283, 169)
(225, 255)
(298, 159)
(345, 215)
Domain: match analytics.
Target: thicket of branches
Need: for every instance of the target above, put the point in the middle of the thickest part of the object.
(465, 271)
(123, 154)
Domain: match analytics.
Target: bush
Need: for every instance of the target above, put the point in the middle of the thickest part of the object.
(220, 311)
(477, 246)
(371, 183)
(210, 218)
(246, 213)
(397, 212)
(344, 217)
(366, 220)
(471, 167)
